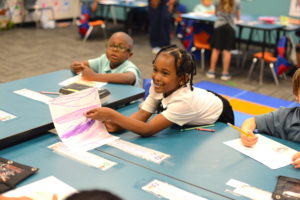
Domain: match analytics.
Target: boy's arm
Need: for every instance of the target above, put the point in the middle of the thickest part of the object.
(248, 126)
(121, 78)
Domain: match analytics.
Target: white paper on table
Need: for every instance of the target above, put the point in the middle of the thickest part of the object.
(4, 116)
(266, 151)
(249, 191)
(43, 189)
(168, 191)
(78, 79)
(74, 129)
(82, 156)
(33, 95)
(139, 151)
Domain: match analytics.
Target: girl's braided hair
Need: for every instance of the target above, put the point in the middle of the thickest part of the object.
(184, 62)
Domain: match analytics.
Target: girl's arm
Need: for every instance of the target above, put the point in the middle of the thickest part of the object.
(135, 123)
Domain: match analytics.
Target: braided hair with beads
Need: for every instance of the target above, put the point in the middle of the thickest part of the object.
(184, 62)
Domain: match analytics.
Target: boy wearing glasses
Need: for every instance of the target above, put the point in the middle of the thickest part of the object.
(114, 66)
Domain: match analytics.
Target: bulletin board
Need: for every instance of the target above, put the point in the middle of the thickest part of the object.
(295, 8)
(63, 9)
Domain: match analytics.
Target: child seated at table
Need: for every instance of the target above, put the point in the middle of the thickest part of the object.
(283, 123)
(173, 96)
(205, 6)
(114, 66)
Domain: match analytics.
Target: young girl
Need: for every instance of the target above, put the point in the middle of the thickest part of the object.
(171, 94)
(223, 39)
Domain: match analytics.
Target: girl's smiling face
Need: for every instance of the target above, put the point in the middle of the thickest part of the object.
(164, 75)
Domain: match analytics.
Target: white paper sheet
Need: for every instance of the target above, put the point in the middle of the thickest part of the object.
(74, 129)
(83, 157)
(4, 116)
(34, 95)
(43, 189)
(78, 79)
(139, 151)
(168, 191)
(266, 151)
(249, 191)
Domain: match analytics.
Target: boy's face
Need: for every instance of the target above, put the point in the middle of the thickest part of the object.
(206, 2)
(164, 75)
(117, 51)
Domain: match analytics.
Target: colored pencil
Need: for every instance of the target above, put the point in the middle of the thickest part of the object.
(194, 128)
(206, 129)
(45, 92)
(238, 129)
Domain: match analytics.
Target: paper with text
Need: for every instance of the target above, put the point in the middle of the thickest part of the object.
(266, 151)
(83, 157)
(43, 189)
(244, 189)
(4, 116)
(74, 129)
(139, 151)
(168, 191)
(78, 79)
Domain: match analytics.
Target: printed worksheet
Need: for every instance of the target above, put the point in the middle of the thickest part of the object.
(74, 129)
(43, 189)
(4, 116)
(266, 151)
(78, 79)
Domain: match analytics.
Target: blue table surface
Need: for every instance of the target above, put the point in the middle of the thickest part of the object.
(124, 179)
(201, 159)
(32, 114)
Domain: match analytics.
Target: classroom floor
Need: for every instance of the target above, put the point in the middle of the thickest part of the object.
(28, 51)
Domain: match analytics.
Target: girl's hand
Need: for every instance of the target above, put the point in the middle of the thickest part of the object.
(102, 114)
(250, 140)
(88, 74)
(111, 127)
(296, 160)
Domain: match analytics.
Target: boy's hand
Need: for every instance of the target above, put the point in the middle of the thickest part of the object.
(250, 140)
(77, 67)
(88, 74)
(296, 160)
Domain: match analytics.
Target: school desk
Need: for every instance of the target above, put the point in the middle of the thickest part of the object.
(123, 179)
(201, 159)
(33, 117)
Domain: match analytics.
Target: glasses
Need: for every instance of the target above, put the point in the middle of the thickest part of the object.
(117, 47)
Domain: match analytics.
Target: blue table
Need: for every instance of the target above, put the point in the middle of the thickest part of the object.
(33, 117)
(124, 179)
(201, 159)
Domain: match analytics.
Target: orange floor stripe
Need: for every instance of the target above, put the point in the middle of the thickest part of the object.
(248, 107)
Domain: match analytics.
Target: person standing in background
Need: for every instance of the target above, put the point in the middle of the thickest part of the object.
(160, 19)
(205, 6)
(223, 39)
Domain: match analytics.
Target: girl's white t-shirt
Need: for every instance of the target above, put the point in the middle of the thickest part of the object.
(186, 107)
